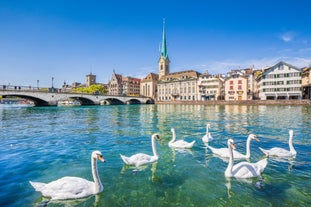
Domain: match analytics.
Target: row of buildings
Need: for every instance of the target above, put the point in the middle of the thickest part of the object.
(281, 81)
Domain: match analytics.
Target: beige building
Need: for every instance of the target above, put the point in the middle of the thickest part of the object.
(181, 86)
(119, 85)
(130, 86)
(210, 87)
(281, 81)
(148, 85)
(115, 84)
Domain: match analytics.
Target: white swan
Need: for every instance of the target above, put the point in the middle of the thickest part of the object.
(280, 152)
(179, 143)
(207, 137)
(140, 158)
(72, 187)
(243, 169)
(224, 152)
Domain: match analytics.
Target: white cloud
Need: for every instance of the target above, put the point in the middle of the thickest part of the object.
(287, 36)
(224, 66)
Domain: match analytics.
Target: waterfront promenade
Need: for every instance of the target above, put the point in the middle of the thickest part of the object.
(303, 102)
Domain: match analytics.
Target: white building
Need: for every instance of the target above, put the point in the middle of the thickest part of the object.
(210, 87)
(281, 81)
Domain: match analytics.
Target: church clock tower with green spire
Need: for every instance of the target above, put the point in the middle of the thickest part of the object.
(164, 62)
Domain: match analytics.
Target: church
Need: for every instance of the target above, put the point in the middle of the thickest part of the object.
(168, 86)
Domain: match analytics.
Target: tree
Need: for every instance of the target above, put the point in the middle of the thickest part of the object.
(93, 89)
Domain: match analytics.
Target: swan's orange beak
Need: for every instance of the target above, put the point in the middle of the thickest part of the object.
(256, 138)
(101, 158)
(232, 145)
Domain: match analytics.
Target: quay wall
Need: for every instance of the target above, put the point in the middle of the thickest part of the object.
(303, 102)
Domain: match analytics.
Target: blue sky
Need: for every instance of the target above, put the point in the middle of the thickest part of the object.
(68, 39)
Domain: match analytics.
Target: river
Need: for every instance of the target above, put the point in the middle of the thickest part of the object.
(46, 143)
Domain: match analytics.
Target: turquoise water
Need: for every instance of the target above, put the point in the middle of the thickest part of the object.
(46, 143)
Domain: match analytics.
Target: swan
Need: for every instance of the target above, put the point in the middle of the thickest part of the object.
(224, 152)
(207, 137)
(179, 143)
(243, 169)
(142, 159)
(72, 187)
(280, 152)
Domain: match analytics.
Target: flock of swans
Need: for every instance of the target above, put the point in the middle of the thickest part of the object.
(75, 187)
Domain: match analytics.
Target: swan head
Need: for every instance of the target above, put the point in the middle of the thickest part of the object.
(254, 137)
(98, 156)
(231, 144)
(291, 134)
(172, 130)
(156, 136)
(208, 125)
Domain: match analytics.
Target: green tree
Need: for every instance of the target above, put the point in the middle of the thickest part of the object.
(93, 89)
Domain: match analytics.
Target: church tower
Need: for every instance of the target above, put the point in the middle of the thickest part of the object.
(164, 62)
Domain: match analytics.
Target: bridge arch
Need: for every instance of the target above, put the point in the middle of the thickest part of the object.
(36, 101)
(82, 100)
(133, 101)
(111, 101)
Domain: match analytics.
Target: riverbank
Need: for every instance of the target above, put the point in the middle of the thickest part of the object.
(304, 102)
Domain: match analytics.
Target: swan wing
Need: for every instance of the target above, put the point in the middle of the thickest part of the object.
(246, 170)
(223, 152)
(66, 188)
(182, 144)
(276, 151)
(139, 159)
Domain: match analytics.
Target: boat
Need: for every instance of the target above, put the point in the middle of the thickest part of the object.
(69, 103)
(15, 103)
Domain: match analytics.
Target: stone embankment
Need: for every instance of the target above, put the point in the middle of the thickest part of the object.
(303, 102)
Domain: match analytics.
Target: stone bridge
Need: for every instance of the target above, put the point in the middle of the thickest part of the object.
(41, 98)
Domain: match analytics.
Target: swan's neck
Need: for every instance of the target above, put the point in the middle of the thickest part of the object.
(97, 183)
(228, 172)
(291, 147)
(248, 150)
(173, 137)
(154, 150)
(207, 129)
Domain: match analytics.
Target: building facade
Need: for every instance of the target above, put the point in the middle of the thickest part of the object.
(281, 81)
(236, 87)
(130, 86)
(148, 85)
(115, 85)
(306, 83)
(182, 86)
(90, 80)
(210, 87)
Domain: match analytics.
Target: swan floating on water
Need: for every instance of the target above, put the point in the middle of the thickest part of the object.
(207, 137)
(141, 158)
(280, 152)
(179, 143)
(243, 169)
(224, 152)
(72, 187)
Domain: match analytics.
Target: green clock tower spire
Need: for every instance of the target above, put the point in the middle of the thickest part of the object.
(164, 61)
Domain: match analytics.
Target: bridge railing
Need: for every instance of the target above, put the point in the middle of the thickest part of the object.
(54, 90)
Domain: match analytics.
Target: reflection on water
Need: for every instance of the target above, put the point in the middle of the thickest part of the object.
(46, 143)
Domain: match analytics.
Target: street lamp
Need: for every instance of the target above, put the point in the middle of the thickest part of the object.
(38, 84)
(52, 84)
